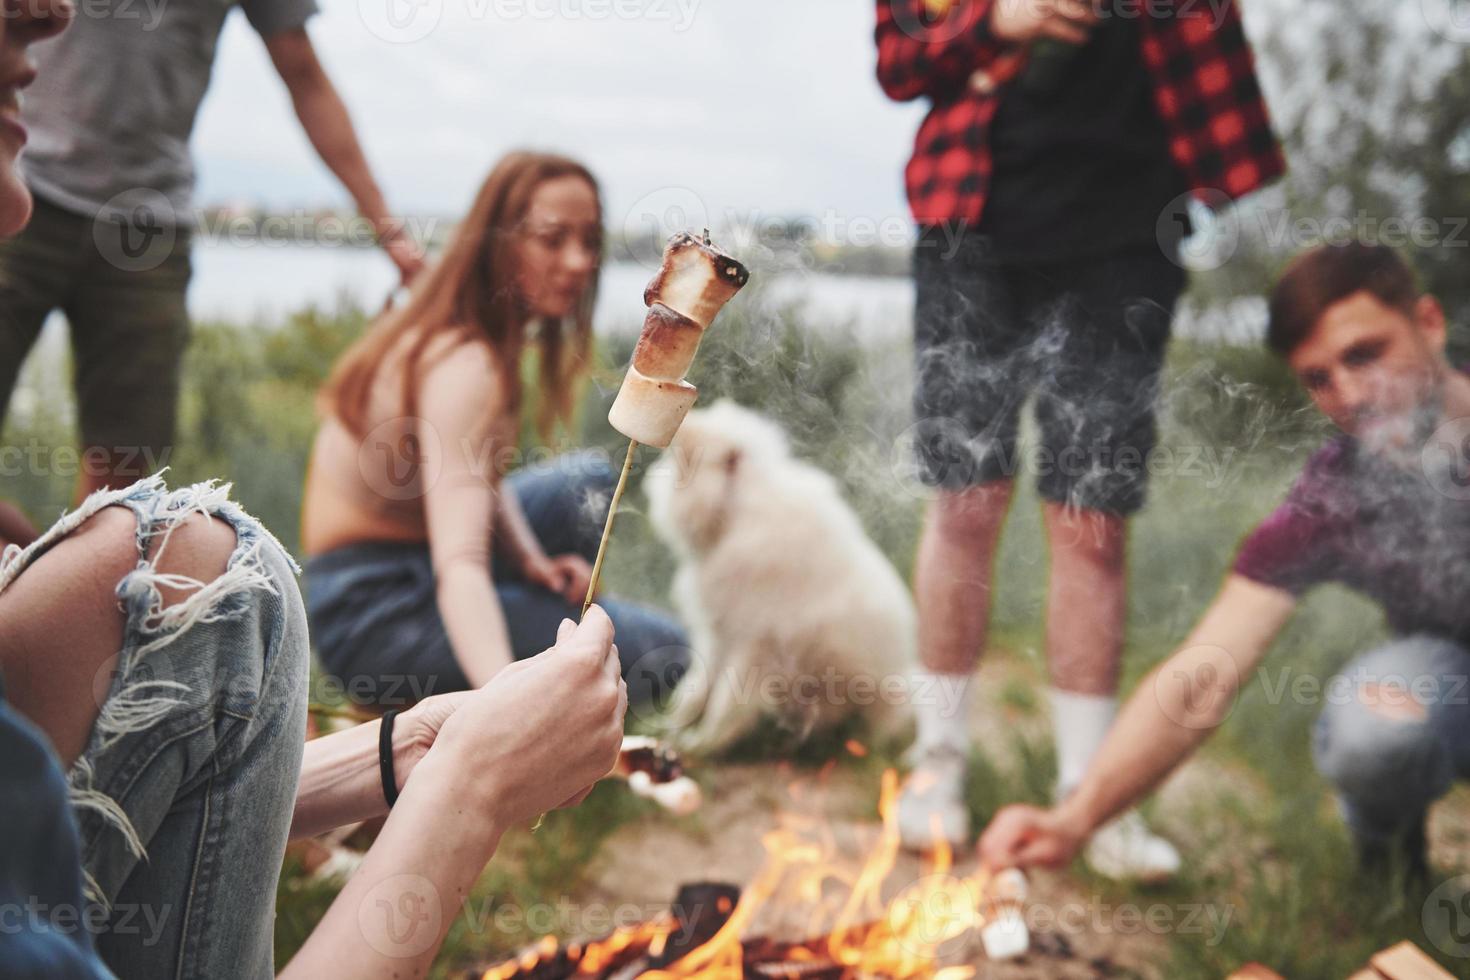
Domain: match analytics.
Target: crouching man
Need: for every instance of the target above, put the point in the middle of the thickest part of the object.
(1383, 508)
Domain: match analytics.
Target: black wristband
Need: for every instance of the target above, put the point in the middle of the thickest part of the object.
(385, 758)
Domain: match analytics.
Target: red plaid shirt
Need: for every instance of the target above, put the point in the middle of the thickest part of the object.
(1204, 86)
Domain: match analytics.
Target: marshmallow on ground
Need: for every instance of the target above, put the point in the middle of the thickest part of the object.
(650, 410)
(1005, 934)
(696, 279)
(679, 796)
(667, 345)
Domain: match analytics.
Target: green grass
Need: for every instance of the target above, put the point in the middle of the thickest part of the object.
(1267, 845)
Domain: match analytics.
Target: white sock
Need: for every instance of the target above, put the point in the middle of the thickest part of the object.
(941, 704)
(1081, 722)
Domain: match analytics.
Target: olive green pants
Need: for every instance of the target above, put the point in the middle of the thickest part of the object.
(122, 290)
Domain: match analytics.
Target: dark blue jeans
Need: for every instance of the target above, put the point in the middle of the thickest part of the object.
(376, 625)
(42, 913)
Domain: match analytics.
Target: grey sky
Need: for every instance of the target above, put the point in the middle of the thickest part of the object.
(768, 106)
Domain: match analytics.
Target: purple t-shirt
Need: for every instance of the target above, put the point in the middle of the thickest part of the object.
(1377, 528)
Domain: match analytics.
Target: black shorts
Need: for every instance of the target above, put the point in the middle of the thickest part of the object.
(1087, 336)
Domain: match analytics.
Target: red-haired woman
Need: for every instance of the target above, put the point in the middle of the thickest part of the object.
(429, 568)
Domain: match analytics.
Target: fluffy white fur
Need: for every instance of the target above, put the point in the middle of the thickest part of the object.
(792, 611)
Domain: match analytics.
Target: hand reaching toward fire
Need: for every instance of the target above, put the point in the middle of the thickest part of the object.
(1024, 836)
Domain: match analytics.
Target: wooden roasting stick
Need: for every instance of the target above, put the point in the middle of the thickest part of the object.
(694, 283)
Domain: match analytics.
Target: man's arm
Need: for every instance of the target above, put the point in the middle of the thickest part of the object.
(919, 55)
(1176, 707)
(324, 117)
(933, 47)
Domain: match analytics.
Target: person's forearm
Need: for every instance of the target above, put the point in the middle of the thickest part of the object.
(1164, 721)
(341, 782)
(329, 127)
(474, 619)
(515, 536)
(914, 63)
(391, 917)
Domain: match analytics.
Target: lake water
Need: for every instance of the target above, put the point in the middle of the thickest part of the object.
(263, 283)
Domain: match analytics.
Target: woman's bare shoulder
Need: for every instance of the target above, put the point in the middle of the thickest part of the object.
(457, 355)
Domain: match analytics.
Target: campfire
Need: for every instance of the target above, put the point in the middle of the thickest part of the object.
(844, 928)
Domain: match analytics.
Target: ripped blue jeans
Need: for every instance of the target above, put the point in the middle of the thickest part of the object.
(1395, 733)
(184, 793)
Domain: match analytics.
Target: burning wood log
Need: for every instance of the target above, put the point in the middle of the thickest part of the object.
(698, 913)
(871, 933)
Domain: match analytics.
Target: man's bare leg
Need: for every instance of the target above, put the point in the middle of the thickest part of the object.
(1087, 603)
(952, 575)
(952, 587)
(1086, 617)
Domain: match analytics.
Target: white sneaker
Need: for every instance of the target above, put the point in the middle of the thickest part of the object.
(1127, 850)
(932, 799)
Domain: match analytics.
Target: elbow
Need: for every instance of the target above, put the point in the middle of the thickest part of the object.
(901, 93)
(463, 565)
(1197, 693)
(897, 85)
(306, 86)
(304, 77)
(899, 64)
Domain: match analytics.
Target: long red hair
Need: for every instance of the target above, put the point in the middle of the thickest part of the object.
(470, 290)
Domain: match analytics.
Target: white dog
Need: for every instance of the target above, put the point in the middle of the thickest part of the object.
(792, 611)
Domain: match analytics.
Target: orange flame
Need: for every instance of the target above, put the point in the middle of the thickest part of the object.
(860, 933)
(900, 939)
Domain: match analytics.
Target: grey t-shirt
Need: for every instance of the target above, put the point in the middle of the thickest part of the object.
(111, 113)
